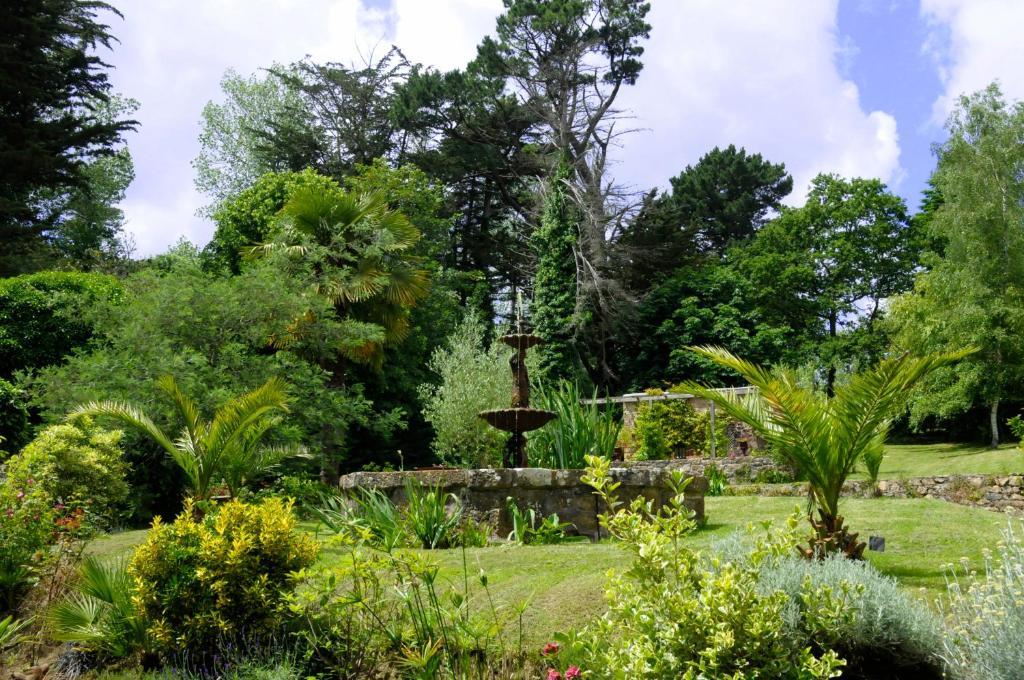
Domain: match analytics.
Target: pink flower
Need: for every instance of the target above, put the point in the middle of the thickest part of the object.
(554, 675)
(21, 494)
(550, 648)
(572, 673)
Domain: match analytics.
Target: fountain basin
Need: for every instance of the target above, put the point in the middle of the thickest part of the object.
(517, 419)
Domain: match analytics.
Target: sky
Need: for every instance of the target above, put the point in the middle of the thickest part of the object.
(860, 88)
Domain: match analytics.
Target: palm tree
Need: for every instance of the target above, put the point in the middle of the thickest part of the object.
(824, 438)
(360, 251)
(226, 449)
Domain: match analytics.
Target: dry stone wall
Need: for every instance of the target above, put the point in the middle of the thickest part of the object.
(483, 493)
(993, 492)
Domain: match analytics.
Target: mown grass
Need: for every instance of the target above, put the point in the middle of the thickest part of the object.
(564, 583)
(926, 460)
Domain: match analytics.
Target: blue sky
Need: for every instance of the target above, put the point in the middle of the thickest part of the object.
(855, 87)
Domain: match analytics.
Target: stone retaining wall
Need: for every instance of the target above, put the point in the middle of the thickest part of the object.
(992, 492)
(483, 493)
(737, 469)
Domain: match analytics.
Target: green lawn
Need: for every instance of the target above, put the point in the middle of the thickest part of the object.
(564, 582)
(925, 460)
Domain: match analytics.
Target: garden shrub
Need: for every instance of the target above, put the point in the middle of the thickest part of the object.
(985, 614)
(888, 630)
(672, 614)
(428, 516)
(27, 528)
(14, 425)
(1016, 425)
(42, 317)
(202, 580)
(78, 466)
(673, 428)
(472, 379)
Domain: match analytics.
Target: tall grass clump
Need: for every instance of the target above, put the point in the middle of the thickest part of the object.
(428, 516)
(985, 613)
(579, 430)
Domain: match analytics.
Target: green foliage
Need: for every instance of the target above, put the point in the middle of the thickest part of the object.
(722, 200)
(972, 293)
(578, 429)
(358, 253)
(827, 267)
(369, 514)
(227, 449)
(823, 438)
(472, 379)
(428, 516)
(709, 303)
(671, 428)
(197, 582)
(884, 627)
(99, 613)
(249, 217)
(717, 481)
(219, 336)
(27, 529)
(699, 618)
(553, 311)
(231, 157)
(10, 632)
(14, 426)
(43, 317)
(527, 531)
(78, 466)
(984, 614)
(53, 78)
(1016, 425)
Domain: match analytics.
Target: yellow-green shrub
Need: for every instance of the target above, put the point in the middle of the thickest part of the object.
(200, 581)
(77, 466)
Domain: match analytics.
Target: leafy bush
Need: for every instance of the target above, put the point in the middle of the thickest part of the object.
(1016, 425)
(427, 515)
(27, 527)
(673, 428)
(99, 614)
(198, 582)
(43, 319)
(985, 614)
(14, 426)
(672, 614)
(367, 513)
(472, 379)
(77, 466)
(578, 429)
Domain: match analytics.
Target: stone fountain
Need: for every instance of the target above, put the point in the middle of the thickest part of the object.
(519, 419)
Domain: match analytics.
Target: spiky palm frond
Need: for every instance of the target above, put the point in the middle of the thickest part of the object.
(204, 450)
(824, 438)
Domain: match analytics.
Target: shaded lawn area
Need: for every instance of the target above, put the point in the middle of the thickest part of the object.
(564, 583)
(927, 460)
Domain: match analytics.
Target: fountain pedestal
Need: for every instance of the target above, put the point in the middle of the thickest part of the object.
(519, 419)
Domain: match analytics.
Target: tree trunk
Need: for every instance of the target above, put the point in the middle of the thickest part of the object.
(993, 416)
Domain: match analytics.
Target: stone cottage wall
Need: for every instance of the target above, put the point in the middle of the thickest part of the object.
(483, 493)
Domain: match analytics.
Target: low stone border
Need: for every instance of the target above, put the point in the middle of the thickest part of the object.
(483, 493)
(992, 492)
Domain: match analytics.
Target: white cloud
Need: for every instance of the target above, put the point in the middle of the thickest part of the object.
(975, 42)
(171, 57)
(762, 75)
